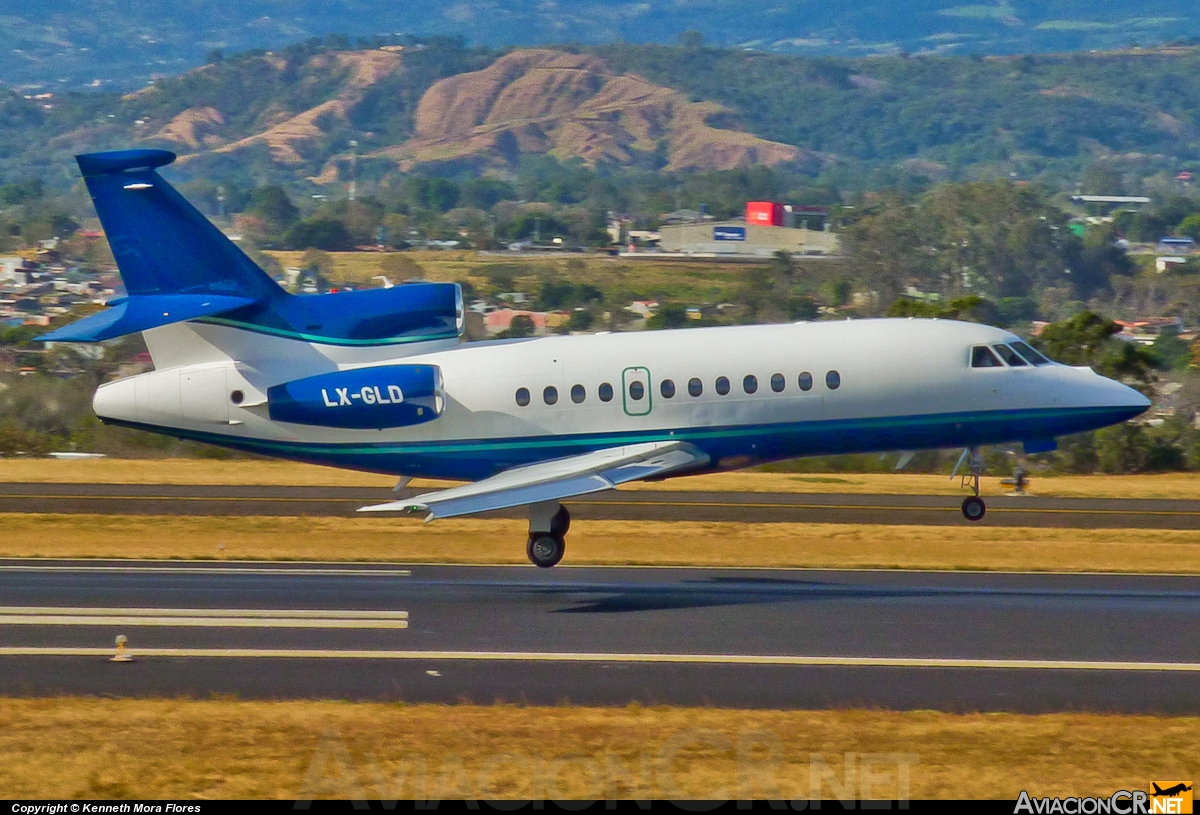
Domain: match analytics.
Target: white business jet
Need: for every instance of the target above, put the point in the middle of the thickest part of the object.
(380, 380)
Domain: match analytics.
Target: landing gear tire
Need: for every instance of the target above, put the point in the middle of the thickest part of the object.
(973, 508)
(545, 550)
(560, 524)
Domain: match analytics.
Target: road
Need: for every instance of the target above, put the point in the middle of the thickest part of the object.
(955, 641)
(663, 505)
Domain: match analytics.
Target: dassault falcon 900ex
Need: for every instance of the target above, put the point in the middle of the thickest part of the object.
(379, 380)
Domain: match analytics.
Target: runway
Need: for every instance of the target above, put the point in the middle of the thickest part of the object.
(662, 505)
(954, 641)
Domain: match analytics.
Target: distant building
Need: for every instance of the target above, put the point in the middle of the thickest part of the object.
(1145, 332)
(740, 238)
(1105, 204)
(1181, 245)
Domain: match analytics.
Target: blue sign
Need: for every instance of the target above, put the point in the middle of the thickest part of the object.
(729, 233)
(379, 397)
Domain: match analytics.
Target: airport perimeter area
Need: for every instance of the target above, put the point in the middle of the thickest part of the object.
(720, 657)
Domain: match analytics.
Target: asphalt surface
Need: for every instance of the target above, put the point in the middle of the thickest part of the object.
(742, 638)
(664, 505)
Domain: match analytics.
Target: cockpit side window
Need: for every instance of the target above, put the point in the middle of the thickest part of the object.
(984, 357)
(1030, 354)
(1010, 356)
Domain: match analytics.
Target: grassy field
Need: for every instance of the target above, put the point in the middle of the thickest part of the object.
(253, 472)
(692, 281)
(103, 748)
(409, 540)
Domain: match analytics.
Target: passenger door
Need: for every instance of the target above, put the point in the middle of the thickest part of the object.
(635, 391)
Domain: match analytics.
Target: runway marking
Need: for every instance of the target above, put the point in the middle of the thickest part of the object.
(694, 659)
(203, 617)
(271, 570)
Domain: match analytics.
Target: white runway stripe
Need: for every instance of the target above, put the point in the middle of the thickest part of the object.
(139, 569)
(203, 617)
(534, 656)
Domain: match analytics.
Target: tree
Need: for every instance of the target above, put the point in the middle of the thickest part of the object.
(1086, 339)
(271, 203)
(972, 309)
(990, 238)
(669, 315)
(521, 326)
(1190, 226)
(320, 233)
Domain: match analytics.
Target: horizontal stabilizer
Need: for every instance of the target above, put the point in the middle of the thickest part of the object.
(555, 480)
(141, 312)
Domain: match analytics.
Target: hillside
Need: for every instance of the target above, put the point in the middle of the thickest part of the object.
(443, 108)
(573, 106)
(75, 43)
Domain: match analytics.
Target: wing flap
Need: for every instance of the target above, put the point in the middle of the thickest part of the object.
(554, 480)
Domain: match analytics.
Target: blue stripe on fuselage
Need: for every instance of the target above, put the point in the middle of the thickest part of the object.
(473, 459)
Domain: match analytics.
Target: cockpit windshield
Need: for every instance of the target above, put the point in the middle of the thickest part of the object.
(984, 357)
(1010, 356)
(1015, 355)
(1030, 353)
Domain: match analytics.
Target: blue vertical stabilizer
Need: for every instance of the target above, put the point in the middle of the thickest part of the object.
(161, 243)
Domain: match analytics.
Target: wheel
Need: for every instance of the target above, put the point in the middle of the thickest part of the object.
(973, 508)
(545, 550)
(560, 524)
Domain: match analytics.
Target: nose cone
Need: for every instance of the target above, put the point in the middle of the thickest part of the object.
(1105, 400)
(116, 400)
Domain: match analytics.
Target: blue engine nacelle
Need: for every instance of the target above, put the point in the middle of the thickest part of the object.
(363, 398)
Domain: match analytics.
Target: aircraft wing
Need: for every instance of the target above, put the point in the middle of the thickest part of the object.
(554, 480)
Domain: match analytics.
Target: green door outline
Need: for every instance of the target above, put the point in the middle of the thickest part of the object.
(633, 407)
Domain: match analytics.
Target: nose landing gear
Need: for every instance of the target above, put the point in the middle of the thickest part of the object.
(973, 507)
(549, 523)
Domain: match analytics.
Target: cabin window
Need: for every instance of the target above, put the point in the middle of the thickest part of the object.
(722, 385)
(984, 357)
(806, 381)
(695, 386)
(605, 392)
(578, 394)
(237, 397)
(636, 391)
(833, 380)
(778, 383)
(667, 388)
(550, 395)
(750, 383)
(522, 397)
(1030, 353)
(1010, 356)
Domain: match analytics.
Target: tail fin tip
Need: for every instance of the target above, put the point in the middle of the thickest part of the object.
(118, 161)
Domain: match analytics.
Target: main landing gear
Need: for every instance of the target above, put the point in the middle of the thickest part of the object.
(549, 523)
(973, 508)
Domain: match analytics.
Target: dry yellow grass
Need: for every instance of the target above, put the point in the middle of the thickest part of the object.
(253, 472)
(704, 280)
(101, 748)
(781, 545)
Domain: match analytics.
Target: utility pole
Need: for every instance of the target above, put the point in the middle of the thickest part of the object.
(353, 168)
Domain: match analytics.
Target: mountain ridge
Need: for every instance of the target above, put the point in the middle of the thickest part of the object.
(75, 43)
